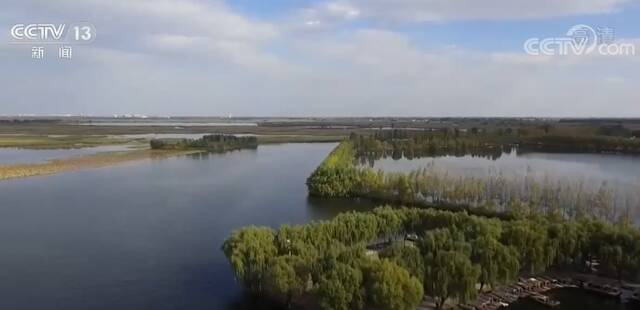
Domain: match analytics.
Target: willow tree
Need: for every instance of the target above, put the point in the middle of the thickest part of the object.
(450, 274)
(530, 241)
(249, 251)
(407, 257)
(287, 276)
(390, 286)
(498, 263)
(340, 288)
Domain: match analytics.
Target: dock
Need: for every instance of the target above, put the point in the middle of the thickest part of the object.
(525, 288)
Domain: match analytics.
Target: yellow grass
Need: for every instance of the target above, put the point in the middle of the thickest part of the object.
(81, 162)
(56, 142)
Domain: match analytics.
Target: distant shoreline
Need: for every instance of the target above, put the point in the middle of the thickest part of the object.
(104, 159)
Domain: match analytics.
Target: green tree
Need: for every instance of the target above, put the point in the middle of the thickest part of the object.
(249, 251)
(450, 274)
(529, 240)
(287, 276)
(407, 257)
(340, 288)
(497, 262)
(389, 223)
(390, 286)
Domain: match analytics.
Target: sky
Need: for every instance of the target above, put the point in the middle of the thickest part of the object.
(417, 58)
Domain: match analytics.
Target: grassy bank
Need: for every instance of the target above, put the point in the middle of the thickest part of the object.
(14, 171)
(83, 162)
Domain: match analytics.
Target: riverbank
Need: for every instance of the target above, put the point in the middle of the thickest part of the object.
(8, 172)
(572, 299)
(536, 288)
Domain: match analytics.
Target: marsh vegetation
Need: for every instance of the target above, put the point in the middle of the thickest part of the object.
(210, 143)
(345, 173)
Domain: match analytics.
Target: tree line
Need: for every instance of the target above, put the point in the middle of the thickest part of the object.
(490, 143)
(212, 143)
(326, 264)
(340, 175)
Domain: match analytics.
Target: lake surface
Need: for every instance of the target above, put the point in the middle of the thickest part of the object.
(587, 167)
(621, 173)
(147, 235)
(9, 156)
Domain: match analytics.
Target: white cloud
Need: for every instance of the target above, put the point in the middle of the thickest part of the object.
(325, 15)
(339, 10)
(192, 57)
(382, 73)
(166, 24)
(173, 42)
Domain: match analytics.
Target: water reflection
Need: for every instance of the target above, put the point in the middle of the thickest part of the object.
(590, 166)
(147, 235)
(204, 155)
(585, 175)
(323, 208)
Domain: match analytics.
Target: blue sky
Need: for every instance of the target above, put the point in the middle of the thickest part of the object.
(322, 57)
(485, 35)
(269, 9)
(510, 35)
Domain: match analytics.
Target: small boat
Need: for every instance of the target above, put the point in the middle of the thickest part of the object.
(545, 300)
(605, 290)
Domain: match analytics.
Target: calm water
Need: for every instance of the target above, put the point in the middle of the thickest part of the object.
(620, 173)
(147, 235)
(10, 156)
(575, 299)
(587, 167)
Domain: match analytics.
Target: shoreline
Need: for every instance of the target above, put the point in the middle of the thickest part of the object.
(105, 159)
(99, 160)
(535, 286)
